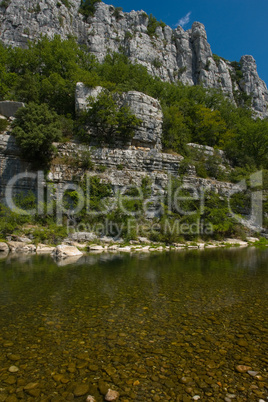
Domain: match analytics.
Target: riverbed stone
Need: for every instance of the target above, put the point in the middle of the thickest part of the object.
(81, 389)
(103, 387)
(90, 398)
(96, 247)
(4, 247)
(242, 368)
(21, 247)
(32, 389)
(111, 395)
(13, 369)
(44, 249)
(252, 373)
(63, 251)
(14, 357)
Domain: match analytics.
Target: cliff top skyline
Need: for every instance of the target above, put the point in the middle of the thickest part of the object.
(234, 27)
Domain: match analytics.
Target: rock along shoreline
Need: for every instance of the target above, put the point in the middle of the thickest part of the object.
(70, 248)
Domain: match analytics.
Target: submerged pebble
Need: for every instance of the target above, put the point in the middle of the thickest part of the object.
(149, 328)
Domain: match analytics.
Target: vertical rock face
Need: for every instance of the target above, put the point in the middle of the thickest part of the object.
(149, 111)
(82, 93)
(168, 54)
(145, 108)
(252, 85)
(9, 108)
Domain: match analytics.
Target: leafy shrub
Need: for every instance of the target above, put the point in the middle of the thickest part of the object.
(153, 24)
(157, 63)
(5, 3)
(238, 72)
(101, 168)
(128, 35)
(66, 3)
(98, 191)
(216, 58)
(109, 120)
(35, 128)
(11, 221)
(117, 12)
(85, 161)
(3, 125)
(87, 7)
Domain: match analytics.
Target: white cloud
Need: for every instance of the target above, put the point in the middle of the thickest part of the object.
(184, 20)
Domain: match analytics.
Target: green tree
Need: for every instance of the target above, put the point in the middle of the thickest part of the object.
(209, 128)
(108, 119)
(249, 146)
(7, 79)
(47, 72)
(35, 128)
(176, 134)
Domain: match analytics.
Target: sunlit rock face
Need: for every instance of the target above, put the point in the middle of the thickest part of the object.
(169, 54)
(147, 109)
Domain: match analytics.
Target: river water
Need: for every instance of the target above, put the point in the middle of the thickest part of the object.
(155, 327)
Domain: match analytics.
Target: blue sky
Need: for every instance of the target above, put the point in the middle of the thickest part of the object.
(234, 27)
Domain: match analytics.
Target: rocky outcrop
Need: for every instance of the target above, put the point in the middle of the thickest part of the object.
(169, 54)
(10, 166)
(144, 107)
(120, 168)
(252, 85)
(82, 93)
(83, 236)
(20, 247)
(64, 251)
(44, 249)
(4, 248)
(9, 108)
(148, 110)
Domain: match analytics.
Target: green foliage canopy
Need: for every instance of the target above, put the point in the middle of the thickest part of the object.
(109, 119)
(35, 128)
(87, 7)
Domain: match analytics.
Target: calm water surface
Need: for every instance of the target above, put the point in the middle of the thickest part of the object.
(163, 327)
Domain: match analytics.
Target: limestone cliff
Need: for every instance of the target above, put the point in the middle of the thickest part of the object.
(169, 54)
(145, 108)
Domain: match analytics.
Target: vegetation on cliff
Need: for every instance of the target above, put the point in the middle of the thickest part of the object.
(108, 120)
(48, 70)
(45, 75)
(36, 127)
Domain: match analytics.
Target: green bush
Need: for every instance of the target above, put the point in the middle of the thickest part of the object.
(66, 3)
(157, 63)
(117, 12)
(153, 24)
(109, 120)
(3, 125)
(5, 3)
(12, 221)
(85, 161)
(35, 129)
(87, 7)
(128, 35)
